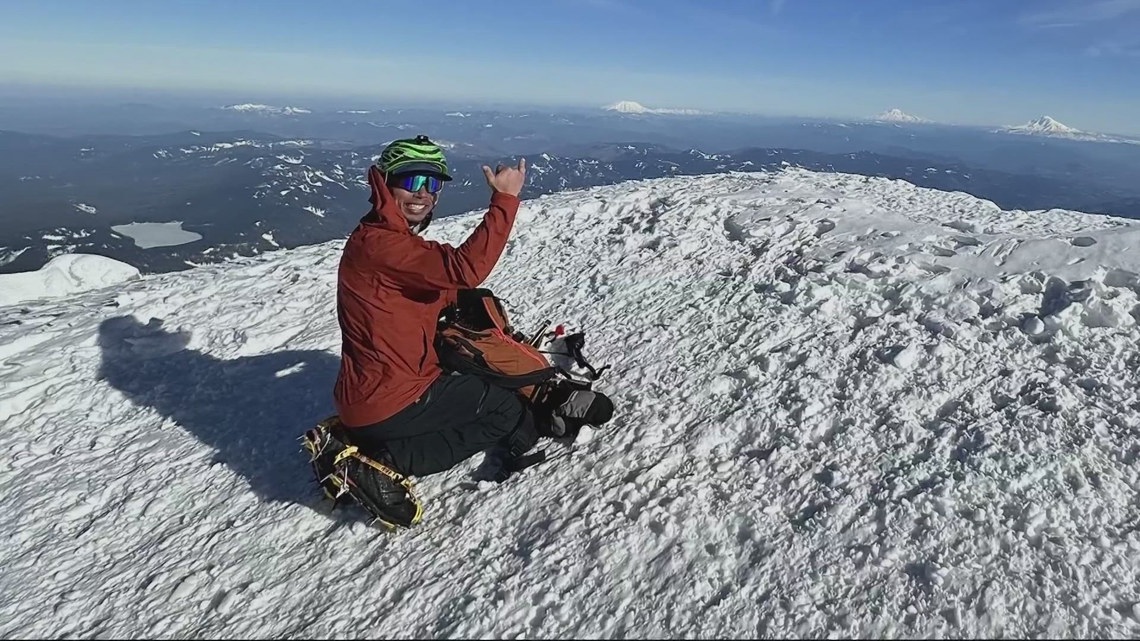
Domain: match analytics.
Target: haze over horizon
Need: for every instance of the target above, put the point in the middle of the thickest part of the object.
(966, 63)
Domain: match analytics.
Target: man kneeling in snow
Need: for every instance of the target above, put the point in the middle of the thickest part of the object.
(395, 406)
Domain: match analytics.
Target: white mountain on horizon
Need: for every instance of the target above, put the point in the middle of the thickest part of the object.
(847, 407)
(631, 107)
(267, 109)
(1050, 127)
(899, 116)
(1045, 125)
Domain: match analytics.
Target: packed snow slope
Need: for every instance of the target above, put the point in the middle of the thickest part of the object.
(846, 406)
(62, 276)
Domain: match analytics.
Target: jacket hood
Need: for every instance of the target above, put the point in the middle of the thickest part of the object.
(385, 210)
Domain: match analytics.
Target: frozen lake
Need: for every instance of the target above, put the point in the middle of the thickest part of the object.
(147, 235)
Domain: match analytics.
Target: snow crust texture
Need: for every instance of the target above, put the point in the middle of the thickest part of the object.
(847, 406)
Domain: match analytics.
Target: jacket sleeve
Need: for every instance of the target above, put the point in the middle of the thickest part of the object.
(423, 264)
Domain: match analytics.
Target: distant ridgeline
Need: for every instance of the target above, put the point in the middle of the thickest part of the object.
(165, 203)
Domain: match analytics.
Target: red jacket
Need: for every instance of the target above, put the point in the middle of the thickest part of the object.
(391, 287)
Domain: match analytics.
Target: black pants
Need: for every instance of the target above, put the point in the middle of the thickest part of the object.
(458, 417)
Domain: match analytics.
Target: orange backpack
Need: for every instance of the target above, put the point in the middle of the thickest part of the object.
(475, 337)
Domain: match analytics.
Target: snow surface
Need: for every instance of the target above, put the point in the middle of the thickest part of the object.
(62, 276)
(847, 406)
(241, 142)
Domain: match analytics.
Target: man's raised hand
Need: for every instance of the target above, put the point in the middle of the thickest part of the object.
(508, 180)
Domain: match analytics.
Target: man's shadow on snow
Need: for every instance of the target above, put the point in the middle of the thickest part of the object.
(250, 410)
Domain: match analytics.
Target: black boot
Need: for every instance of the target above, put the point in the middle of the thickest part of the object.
(323, 449)
(567, 408)
(373, 481)
(382, 490)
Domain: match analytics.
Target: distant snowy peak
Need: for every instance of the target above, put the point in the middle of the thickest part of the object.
(1044, 125)
(628, 107)
(631, 107)
(255, 108)
(1047, 126)
(898, 115)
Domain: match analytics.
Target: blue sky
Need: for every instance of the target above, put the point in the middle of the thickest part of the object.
(962, 61)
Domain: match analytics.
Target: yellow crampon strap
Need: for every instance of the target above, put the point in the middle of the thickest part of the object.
(347, 452)
(338, 477)
(351, 451)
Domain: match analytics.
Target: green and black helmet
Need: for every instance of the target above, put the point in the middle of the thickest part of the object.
(417, 154)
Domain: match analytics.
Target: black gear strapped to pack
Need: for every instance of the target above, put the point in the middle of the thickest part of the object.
(574, 345)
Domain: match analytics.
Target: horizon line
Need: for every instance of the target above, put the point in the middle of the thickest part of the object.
(228, 97)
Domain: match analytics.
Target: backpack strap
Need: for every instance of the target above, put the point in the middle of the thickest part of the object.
(479, 309)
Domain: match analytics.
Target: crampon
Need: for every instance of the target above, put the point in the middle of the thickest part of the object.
(376, 485)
